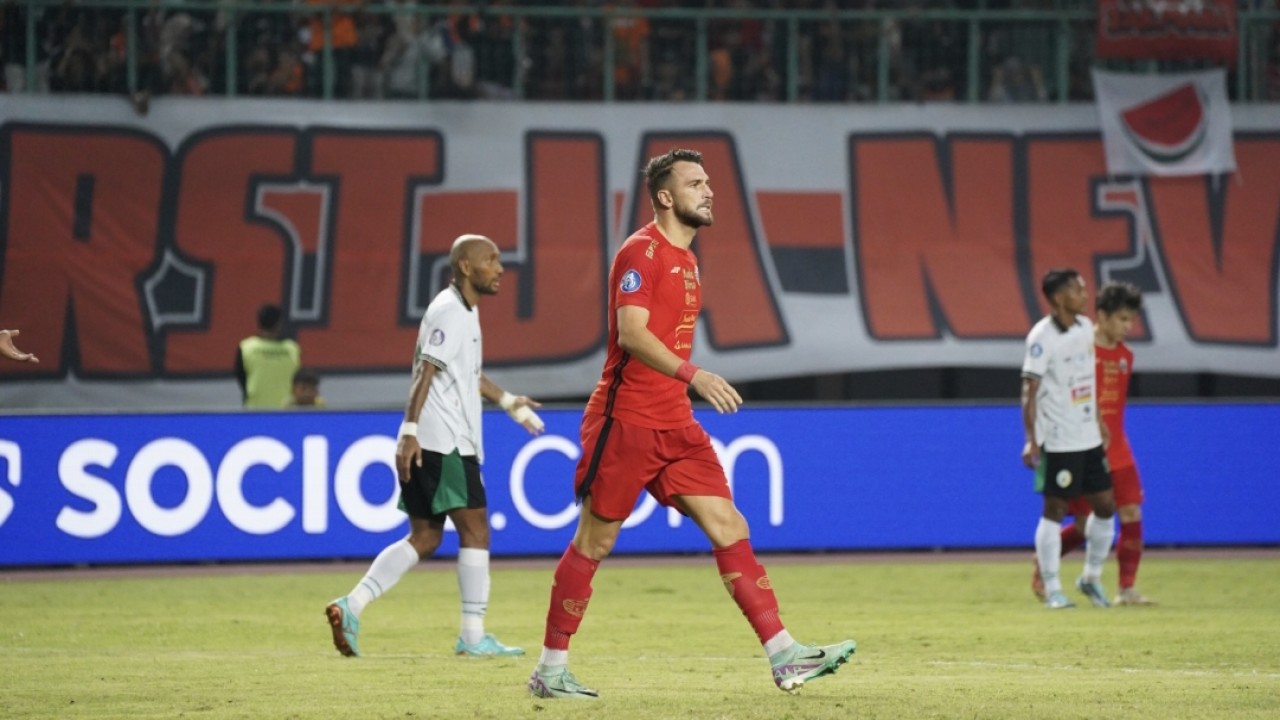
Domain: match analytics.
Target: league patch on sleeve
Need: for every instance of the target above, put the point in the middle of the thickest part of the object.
(437, 337)
(1036, 351)
(630, 282)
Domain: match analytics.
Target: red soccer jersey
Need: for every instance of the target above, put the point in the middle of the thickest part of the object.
(1114, 367)
(650, 272)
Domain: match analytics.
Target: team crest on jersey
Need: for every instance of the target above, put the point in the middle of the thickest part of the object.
(630, 282)
(1063, 479)
(437, 337)
(1036, 350)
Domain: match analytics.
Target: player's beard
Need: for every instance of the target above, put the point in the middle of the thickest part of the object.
(692, 218)
(489, 289)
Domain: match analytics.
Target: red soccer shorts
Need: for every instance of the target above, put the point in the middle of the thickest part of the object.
(1125, 484)
(619, 460)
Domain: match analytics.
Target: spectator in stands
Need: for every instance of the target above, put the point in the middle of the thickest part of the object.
(930, 53)
(402, 54)
(551, 72)
(305, 391)
(266, 362)
(671, 79)
(8, 349)
(368, 78)
(343, 38)
(631, 68)
(74, 67)
(1015, 81)
(289, 76)
(828, 62)
(490, 36)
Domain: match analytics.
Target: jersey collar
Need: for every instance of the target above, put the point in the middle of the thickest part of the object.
(1063, 328)
(458, 291)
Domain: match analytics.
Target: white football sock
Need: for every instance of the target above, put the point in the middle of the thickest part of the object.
(778, 643)
(473, 585)
(391, 564)
(1049, 553)
(552, 658)
(1098, 534)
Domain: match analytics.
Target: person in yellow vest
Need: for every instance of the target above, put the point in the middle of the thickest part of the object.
(265, 363)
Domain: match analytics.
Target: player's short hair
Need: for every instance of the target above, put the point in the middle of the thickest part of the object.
(1055, 280)
(306, 376)
(658, 169)
(1118, 296)
(269, 317)
(460, 248)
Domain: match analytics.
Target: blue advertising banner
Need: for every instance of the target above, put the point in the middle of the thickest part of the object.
(279, 486)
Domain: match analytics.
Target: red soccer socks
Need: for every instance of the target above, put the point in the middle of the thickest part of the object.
(748, 585)
(1129, 552)
(570, 592)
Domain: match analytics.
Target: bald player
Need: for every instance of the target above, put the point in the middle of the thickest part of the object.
(439, 453)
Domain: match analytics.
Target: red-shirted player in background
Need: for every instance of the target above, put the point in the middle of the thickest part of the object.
(1117, 305)
(639, 433)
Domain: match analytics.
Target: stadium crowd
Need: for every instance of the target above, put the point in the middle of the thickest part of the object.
(464, 49)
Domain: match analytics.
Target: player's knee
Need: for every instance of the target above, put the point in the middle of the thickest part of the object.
(425, 545)
(596, 548)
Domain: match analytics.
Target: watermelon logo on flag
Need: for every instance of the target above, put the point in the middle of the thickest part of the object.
(1169, 127)
(1165, 124)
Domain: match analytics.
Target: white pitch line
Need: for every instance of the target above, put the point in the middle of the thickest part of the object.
(1252, 672)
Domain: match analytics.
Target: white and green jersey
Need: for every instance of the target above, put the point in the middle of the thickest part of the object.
(1061, 358)
(449, 339)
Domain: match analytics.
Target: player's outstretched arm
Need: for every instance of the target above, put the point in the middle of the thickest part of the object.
(635, 338)
(9, 350)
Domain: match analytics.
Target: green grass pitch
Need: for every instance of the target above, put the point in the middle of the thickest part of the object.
(945, 638)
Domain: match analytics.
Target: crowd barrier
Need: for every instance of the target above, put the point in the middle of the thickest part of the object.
(163, 488)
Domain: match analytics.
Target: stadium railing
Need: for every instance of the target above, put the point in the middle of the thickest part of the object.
(920, 53)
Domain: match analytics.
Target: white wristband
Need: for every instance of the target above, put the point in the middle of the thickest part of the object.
(409, 428)
(506, 401)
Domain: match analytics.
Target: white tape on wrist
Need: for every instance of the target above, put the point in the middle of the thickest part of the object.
(506, 401)
(409, 428)
(525, 414)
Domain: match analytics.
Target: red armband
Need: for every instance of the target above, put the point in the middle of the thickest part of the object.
(685, 372)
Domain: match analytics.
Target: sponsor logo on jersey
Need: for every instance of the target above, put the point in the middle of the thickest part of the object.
(630, 282)
(437, 337)
(1063, 479)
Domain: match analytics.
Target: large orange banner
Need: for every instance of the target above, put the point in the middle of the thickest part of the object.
(134, 252)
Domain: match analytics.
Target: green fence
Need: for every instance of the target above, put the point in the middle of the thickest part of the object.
(612, 54)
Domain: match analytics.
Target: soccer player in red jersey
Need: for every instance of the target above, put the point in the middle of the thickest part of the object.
(1117, 305)
(639, 433)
